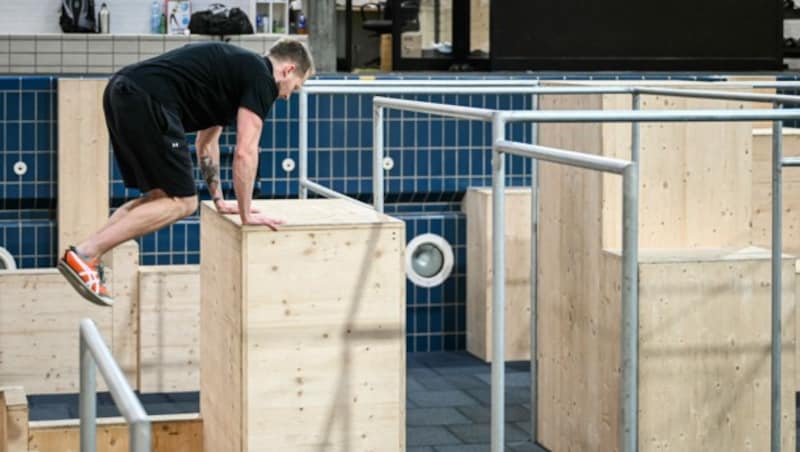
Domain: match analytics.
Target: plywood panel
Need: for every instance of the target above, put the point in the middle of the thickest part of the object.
(704, 352)
(83, 153)
(222, 400)
(124, 263)
(695, 178)
(569, 284)
(762, 190)
(172, 433)
(320, 310)
(39, 317)
(13, 420)
(170, 328)
(477, 205)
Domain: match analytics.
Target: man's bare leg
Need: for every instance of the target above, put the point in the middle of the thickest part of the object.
(137, 218)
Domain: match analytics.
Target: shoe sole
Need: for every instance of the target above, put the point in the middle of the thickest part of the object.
(76, 282)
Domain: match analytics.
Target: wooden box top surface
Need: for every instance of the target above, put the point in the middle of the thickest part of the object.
(299, 214)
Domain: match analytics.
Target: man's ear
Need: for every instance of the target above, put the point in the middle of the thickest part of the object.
(288, 69)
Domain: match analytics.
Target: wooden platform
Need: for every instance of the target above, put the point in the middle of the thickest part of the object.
(303, 330)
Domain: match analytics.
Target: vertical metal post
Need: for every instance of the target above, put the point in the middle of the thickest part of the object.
(534, 279)
(377, 157)
(88, 398)
(630, 294)
(303, 144)
(140, 436)
(777, 246)
(498, 286)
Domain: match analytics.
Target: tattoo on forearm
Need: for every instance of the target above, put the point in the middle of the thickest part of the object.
(210, 172)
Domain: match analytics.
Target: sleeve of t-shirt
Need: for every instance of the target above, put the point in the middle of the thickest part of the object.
(257, 97)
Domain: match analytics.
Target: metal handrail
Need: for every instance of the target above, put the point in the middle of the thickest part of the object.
(629, 387)
(94, 350)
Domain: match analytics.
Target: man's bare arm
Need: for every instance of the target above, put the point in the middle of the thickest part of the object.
(207, 145)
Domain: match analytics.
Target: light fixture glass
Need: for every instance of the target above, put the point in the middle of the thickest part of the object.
(429, 260)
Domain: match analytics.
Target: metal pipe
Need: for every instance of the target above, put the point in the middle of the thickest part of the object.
(651, 115)
(572, 158)
(534, 280)
(629, 395)
(377, 157)
(328, 193)
(93, 349)
(372, 81)
(791, 161)
(777, 245)
(87, 405)
(722, 95)
(498, 286)
(630, 308)
(425, 88)
(303, 143)
(457, 111)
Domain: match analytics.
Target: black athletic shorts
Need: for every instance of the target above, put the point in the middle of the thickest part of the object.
(148, 140)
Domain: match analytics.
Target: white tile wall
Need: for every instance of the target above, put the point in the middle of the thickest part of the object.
(127, 16)
(98, 54)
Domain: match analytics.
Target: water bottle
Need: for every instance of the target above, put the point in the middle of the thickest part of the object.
(104, 19)
(155, 17)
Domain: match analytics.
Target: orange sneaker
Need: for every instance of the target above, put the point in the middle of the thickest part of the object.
(86, 276)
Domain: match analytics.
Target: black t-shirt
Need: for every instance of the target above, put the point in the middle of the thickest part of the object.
(206, 83)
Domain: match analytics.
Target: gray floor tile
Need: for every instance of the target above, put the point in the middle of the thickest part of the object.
(422, 372)
(464, 382)
(441, 399)
(481, 433)
(434, 416)
(481, 414)
(513, 379)
(437, 383)
(465, 448)
(514, 395)
(429, 436)
(420, 449)
(461, 370)
(412, 385)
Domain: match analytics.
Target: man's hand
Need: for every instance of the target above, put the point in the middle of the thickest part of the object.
(271, 223)
(230, 207)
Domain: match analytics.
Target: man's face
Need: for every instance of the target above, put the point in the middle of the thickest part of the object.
(290, 80)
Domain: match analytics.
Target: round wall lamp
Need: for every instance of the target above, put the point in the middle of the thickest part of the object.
(429, 260)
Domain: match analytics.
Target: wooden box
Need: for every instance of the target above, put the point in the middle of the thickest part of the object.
(303, 330)
(169, 357)
(704, 356)
(477, 205)
(40, 314)
(762, 190)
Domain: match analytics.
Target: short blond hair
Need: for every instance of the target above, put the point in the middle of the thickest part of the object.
(292, 50)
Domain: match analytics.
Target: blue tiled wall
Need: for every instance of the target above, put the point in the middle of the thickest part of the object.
(436, 159)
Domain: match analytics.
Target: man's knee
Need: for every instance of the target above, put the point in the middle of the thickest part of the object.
(188, 205)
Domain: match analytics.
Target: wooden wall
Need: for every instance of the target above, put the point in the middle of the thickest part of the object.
(39, 317)
(170, 433)
(477, 206)
(83, 165)
(170, 328)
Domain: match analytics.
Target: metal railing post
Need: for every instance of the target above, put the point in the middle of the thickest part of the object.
(377, 157)
(777, 246)
(498, 285)
(534, 279)
(93, 349)
(87, 404)
(630, 298)
(302, 143)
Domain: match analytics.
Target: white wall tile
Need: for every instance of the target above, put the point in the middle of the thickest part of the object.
(48, 59)
(22, 59)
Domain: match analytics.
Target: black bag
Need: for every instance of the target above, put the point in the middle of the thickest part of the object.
(77, 16)
(220, 20)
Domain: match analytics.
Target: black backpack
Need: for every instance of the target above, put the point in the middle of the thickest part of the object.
(77, 16)
(220, 20)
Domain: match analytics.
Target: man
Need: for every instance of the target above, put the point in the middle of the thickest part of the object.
(149, 106)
